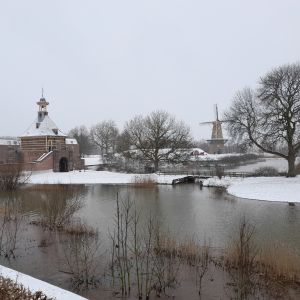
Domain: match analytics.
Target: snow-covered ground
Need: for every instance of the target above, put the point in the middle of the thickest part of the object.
(35, 285)
(92, 160)
(280, 189)
(95, 177)
(267, 188)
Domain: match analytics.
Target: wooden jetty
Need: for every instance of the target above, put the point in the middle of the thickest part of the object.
(192, 177)
(188, 179)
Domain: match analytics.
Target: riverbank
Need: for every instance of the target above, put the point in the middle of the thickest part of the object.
(276, 189)
(97, 177)
(279, 189)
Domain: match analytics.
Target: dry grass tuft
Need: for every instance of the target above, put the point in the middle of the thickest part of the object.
(280, 263)
(79, 228)
(189, 251)
(143, 181)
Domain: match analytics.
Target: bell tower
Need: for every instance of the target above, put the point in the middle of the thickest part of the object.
(42, 103)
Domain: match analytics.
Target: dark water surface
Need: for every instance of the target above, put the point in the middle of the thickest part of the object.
(209, 214)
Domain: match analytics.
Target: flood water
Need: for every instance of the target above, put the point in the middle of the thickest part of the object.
(209, 214)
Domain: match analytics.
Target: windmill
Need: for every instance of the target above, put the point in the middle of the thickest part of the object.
(217, 142)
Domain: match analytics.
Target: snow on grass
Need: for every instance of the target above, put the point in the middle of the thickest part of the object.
(280, 189)
(95, 177)
(92, 160)
(35, 285)
(216, 182)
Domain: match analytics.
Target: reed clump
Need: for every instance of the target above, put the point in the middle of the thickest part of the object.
(280, 263)
(79, 229)
(143, 181)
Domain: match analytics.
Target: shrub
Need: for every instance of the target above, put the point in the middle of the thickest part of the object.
(82, 259)
(266, 171)
(12, 176)
(9, 289)
(59, 206)
(219, 171)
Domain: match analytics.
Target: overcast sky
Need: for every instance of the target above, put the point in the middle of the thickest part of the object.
(100, 60)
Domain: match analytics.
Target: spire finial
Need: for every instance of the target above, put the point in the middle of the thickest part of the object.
(42, 92)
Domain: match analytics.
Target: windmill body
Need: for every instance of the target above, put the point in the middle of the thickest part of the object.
(217, 141)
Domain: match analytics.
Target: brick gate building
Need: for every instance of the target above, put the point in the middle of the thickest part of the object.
(43, 146)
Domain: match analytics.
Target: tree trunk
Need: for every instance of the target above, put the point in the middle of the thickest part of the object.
(156, 162)
(291, 163)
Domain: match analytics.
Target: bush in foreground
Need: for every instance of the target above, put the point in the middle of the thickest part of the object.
(10, 289)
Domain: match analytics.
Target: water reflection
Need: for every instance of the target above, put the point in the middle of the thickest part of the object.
(32, 199)
(184, 210)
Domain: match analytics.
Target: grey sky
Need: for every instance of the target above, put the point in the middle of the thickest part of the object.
(113, 59)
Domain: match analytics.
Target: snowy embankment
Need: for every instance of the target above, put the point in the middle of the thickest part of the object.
(280, 189)
(35, 285)
(96, 177)
(258, 188)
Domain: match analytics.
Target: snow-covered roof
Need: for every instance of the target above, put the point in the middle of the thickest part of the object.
(9, 141)
(71, 141)
(46, 127)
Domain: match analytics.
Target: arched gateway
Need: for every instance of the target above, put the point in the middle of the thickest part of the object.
(63, 165)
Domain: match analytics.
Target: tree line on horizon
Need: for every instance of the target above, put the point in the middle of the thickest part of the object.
(266, 118)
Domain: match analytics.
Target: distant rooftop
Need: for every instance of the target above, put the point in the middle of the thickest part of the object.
(9, 141)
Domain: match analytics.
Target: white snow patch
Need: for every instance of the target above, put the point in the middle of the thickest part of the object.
(94, 177)
(280, 189)
(92, 160)
(35, 285)
(216, 182)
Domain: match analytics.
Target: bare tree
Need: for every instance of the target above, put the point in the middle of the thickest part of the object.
(82, 135)
(157, 136)
(104, 135)
(123, 142)
(270, 117)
